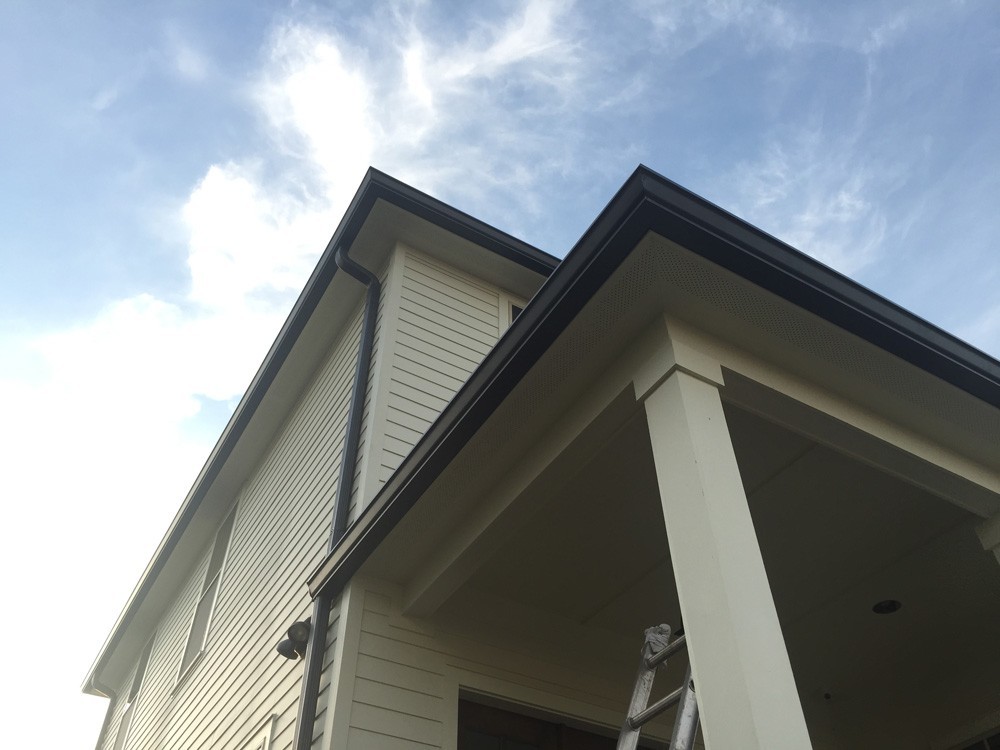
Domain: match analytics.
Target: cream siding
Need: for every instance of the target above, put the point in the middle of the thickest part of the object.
(435, 324)
(164, 662)
(446, 321)
(410, 674)
(323, 701)
(281, 531)
(117, 711)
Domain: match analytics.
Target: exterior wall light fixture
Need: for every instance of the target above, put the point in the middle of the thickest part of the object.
(294, 645)
(887, 607)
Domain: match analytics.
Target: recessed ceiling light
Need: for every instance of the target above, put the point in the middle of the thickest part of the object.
(886, 607)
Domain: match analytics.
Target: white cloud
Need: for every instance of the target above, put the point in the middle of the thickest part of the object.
(532, 36)
(680, 26)
(426, 109)
(246, 243)
(185, 59)
(884, 34)
(190, 63)
(103, 433)
(414, 66)
(319, 108)
(104, 98)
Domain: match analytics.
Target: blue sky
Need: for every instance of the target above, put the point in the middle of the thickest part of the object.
(170, 172)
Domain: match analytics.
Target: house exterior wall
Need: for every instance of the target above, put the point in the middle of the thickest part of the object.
(282, 526)
(434, 326)
(117, 711)
(389, 680)
(409, 673)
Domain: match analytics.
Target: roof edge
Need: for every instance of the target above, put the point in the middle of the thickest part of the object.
(375, 185)
(814, 286)
(542, 320)
(647, 201)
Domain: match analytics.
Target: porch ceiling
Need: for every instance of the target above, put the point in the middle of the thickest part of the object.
(583, 541)
(837, 536)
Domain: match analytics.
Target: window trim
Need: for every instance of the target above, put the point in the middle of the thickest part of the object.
(509, 301)
(210, 586)
(983, 741)
(132, 696)
(534, 727)
(263, 737)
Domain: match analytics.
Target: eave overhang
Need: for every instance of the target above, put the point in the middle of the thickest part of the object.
(376, 187)
(647, 203)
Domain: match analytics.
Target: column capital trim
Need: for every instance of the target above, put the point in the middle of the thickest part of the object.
(989, 534)
(672, 346)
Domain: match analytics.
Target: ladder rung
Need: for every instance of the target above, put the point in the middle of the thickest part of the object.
(634, 722)
(666, 652)
(686, 722)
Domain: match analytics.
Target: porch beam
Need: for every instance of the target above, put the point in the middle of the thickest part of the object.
(975, 490)
(917, 453)
(746, 690)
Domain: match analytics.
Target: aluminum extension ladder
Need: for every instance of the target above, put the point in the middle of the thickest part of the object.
(656, 649)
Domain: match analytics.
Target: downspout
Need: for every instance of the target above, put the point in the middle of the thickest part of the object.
(112, 697)
(312, 671)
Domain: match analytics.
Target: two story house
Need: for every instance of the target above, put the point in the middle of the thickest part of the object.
(469, 475)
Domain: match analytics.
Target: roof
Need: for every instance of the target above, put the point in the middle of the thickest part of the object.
(648, 202)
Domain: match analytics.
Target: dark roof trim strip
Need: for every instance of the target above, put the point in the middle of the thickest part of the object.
(375, 186)
(745, 250)
(649, 202)
(595, 256)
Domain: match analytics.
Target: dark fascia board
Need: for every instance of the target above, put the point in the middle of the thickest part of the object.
(730, 242)
(375, 186)
(649, 202)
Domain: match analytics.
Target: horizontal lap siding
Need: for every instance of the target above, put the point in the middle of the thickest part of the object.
(281, 531)
(436, 331)
(405, 692)
(117, 711)
(164, 662)
(399, 693)
(447, 322)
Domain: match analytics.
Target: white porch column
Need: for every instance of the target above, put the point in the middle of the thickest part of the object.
(989, 535)
(746, 692)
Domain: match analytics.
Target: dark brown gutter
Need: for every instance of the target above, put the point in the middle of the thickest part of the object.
(313, 669)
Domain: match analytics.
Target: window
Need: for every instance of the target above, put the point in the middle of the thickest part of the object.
(483, 727)
(510, 308)
(133, 693)
(261, 739)
(202, 620)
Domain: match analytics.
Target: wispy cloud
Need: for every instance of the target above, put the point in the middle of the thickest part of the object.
(105, 97)
(885, 33)
(430, 109)
(681, 26)
(183, 55)
(119, 396)
(818, 193)
(501, 109)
